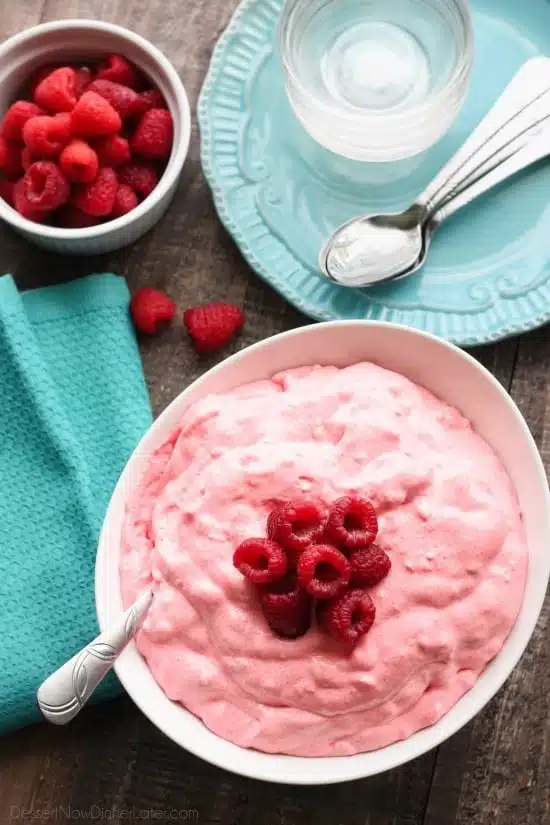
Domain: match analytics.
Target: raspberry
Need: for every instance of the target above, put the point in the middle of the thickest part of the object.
(83, 80)
(112, 150)
(79, 162)
(141, 177)
(93, 116)
(150, 308)
(349, 616)
(260, 561)
(45, 136)
(297, 524)
(323, 571)
(10, 159)
(352, 522)
(119, 70)
(151, 99)
(57, 92)
(45, 187)
(212, 325)
(98, 197)
(16, 117)
(121, 98)
(6, 190)
(23, 206)
(70, 217)
(26, 158)
(125, 200)
(38, 76)
(287, 607)
(369, 565)
(154, 135)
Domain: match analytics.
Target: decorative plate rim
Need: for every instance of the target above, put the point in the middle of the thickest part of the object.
(294, 297)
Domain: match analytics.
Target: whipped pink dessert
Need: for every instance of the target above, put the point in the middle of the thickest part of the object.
(448, 518)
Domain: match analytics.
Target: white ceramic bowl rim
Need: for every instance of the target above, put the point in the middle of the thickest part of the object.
(188, 731)
(176, 159)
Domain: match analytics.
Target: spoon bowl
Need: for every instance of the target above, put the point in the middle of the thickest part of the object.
(377, 248)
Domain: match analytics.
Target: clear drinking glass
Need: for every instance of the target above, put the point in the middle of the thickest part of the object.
(376, 80)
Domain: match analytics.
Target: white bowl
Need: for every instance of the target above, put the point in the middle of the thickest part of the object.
(450, 374)
(80, 40)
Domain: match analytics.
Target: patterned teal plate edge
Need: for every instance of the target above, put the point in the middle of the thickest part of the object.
(313, 308)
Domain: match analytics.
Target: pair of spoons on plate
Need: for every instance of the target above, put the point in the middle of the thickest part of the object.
(373, 249)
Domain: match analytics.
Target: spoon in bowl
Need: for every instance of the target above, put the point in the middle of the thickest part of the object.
(63, 694)
(515, 134)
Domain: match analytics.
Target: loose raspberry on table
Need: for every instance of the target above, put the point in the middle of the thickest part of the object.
(70, 217)
(79, 162)
(286, 607)
(212, 325)
(151, 99)
(23, 206)
(119, 70)
(351, 523)
(369, 565)
(125, 200)
(141, 177)
(151, 309)
(46, 135)
(45, 187)
(16, 117)
(57, 92)
(84, 77)
(122, 98)
(154, 135)
(93, 116)
(297, 524)
(348, 616)
(6, 190)
(261, 561)
(323, 571)
(10, 159)
(112, 150)
(98, 197)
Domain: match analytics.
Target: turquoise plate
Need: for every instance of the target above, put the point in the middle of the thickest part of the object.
(281, 195)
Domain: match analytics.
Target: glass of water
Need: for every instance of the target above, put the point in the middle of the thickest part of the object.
(376, 80)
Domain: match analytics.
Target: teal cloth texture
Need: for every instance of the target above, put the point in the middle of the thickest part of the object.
(74, 405)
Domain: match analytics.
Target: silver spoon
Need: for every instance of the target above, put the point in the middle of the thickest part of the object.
(66, 691)
(515, 134)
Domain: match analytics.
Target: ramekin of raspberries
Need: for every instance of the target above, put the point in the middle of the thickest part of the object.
(317, 563)
(86, 142)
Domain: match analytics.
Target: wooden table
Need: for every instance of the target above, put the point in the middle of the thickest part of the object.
(111, 765)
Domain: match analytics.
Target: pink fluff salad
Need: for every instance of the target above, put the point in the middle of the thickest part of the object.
(448, 518)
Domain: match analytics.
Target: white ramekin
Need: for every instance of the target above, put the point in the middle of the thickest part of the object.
(73, 40)
(450, 374)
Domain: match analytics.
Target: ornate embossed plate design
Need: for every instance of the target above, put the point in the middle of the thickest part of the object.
(280, 194)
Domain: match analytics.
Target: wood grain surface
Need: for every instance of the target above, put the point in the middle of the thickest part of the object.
(111, 764)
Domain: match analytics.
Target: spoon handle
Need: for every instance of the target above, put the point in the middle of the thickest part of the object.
(63, 694)
(508, 166)
(518, 117)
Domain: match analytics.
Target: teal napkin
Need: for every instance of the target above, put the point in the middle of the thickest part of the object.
(73, 406)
